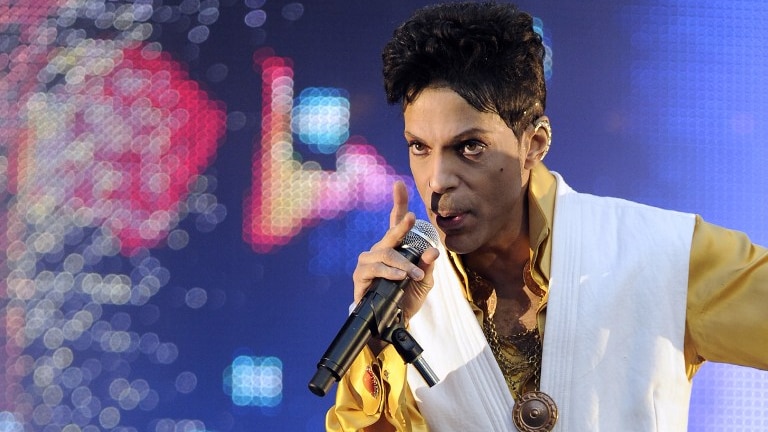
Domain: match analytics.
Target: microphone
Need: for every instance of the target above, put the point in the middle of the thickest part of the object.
(373, 315)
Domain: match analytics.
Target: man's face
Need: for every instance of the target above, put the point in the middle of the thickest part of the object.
(468, 168)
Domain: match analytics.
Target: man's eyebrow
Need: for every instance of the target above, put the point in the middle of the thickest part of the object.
(459, 136)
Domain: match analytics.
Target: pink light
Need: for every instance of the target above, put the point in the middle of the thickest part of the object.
(285, 197)
(147, 130)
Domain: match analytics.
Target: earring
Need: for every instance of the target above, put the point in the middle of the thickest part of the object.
(545, 124)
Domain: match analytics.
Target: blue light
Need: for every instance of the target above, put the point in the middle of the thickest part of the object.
(320, 118)
(538, 27)
(8, 423)
(254, 381)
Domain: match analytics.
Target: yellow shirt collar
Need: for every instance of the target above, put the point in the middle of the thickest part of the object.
(542, 189)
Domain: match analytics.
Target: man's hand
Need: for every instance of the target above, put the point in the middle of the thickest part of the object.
(383, 261)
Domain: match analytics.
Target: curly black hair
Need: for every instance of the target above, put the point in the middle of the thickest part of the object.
(486, 52)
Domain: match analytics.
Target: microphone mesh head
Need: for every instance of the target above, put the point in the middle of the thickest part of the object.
(421, 237)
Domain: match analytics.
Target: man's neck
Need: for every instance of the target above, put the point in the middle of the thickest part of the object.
(502, 268)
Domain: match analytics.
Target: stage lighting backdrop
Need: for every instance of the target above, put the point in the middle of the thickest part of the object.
(187, 184)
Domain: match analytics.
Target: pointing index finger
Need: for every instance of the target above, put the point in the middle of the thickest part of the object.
(400, 203)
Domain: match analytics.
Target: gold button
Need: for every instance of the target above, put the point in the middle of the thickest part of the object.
(535, 412)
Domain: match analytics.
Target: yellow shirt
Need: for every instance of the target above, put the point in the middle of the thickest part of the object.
(725, 321)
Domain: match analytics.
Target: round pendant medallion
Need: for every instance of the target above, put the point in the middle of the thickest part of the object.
(535, 412)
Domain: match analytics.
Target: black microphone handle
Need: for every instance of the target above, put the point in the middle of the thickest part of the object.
(376, 311)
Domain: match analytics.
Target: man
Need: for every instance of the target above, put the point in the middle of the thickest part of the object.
(543, 308)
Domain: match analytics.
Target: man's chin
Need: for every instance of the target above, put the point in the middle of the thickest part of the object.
(457, 244)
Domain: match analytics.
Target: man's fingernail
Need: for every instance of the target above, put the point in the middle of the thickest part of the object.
(417, 273)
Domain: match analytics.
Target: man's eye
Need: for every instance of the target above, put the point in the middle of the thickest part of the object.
(417, 148)
(472, 148)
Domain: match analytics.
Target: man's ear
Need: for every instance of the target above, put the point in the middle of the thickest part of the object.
(540, 141)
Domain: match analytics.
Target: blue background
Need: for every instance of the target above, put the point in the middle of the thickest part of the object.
(659, 101)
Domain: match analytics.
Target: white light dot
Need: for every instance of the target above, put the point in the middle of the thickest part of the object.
(53, 338)
(208, 16)
(178, 239)
(42, 414)
(148, 343)
(199, 34)
(52, 395)
(255, 18)
(71, 377)
(167, 353)
(293, 11)
(62, 357)
(81, 397)
(43, 376)
(109, 417)
(196, 298)
(186, 382)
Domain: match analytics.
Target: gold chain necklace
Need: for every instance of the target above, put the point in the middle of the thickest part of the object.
(528, 344)
(534, 411)
(519, 375)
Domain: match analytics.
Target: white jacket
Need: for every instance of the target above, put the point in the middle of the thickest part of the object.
(613, 343)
